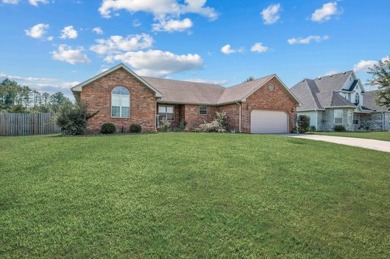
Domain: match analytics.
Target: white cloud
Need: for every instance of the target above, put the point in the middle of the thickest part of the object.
(325, 13)
(206, 81)
(39, 82)
(70, 55)
(36, 2)
(271, 14)
(365, 65)
(37, 31)
(159, 63)
(49, 85)
(10, 1)
(98, 30)
(69, 32)
(172, 25)
(259, 47)
(117, 44)
(331, 72)
(159, 8)
(307, 40)
(227, 49)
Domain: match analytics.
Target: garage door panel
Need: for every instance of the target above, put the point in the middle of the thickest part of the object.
(269, 121)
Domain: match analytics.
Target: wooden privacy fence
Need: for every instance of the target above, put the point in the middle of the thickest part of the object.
(20, 124)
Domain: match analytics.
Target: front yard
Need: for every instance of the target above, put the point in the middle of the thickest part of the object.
(378, 135)
(191, 195)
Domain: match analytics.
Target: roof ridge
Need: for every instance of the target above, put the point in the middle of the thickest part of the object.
(251, 81)
(186, 81)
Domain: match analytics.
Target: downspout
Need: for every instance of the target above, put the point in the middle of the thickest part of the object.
(239, 116)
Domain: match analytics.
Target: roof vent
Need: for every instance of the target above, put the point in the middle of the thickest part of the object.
(319, 78)
(330, 75)
(344, 73)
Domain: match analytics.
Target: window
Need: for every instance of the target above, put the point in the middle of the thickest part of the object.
(355, 122)
(120, 102)
(165, 112)
(357, 98)
(338, 116)
(203, 110)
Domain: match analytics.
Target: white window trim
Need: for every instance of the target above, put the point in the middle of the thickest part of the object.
(200, 108)
(334, 115)
(166, 113)
(121, 96)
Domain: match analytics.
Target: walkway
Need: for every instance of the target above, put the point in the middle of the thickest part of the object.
(379, 145)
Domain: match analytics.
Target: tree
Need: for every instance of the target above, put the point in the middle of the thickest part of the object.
(72, 118)
(251, 78)
(303, 123)
(381, 79)
(57, 100)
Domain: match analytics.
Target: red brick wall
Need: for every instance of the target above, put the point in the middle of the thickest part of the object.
(233, 113)
(264, 99)
(97, 97)
(194, 119)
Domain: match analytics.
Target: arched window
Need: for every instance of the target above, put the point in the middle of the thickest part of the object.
(120, 102)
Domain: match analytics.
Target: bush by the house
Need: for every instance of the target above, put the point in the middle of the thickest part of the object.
(313, 129)
(182, 126)
(108, 128)
(135, 128)
(72, 119)
(339, 128)
(165, 125)
(219, 124)
(303, 123)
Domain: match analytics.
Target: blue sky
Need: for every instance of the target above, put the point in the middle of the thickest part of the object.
(52, 45)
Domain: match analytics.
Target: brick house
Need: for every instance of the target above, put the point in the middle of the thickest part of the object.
(122, 97)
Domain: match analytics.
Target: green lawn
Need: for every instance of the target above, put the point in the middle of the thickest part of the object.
(379, 135)
(192, 195)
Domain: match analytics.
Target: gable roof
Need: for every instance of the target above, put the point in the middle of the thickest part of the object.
(369, 102)
(185, 92)
(79, 87)
(321, 93)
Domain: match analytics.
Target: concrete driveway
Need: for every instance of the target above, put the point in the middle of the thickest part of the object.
(379, 145)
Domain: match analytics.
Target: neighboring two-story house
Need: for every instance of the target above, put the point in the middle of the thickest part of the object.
(340, 99)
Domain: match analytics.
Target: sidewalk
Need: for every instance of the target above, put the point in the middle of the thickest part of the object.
(379, 145)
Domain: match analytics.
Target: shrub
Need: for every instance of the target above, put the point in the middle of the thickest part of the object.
(108, 128)
(135, 128)
(219, 124)
(313, 129)
(72, 119)
(339, 128)
(303, 123)
(165, 125)
(182, 126)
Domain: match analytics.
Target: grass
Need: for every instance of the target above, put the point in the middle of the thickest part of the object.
(192, 195)
(378, 135)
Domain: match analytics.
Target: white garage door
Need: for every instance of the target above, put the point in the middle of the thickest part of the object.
(269, 122)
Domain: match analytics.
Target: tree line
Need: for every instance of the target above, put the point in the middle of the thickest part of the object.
(15, 98)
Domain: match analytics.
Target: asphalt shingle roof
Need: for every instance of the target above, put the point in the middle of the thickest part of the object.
(175, 91)
(370, 103)
(321, 92)
(186, 92)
